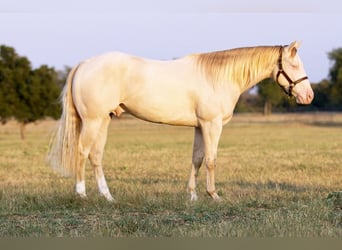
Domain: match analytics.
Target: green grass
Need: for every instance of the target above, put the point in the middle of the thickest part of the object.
(277, 179)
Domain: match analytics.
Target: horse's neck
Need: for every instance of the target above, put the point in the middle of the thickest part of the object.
(255, 79)
(251, 73)
(244, 67)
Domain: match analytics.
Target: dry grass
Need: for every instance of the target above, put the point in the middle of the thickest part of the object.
(274, 175)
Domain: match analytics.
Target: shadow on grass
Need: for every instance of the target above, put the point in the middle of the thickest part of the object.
(283, 186)
(324, 124)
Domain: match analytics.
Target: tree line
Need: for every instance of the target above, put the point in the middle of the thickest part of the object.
(29, 94)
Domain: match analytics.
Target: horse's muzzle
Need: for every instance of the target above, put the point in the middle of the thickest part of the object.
(305, 98)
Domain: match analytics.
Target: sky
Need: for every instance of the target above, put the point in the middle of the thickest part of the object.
(65, 32)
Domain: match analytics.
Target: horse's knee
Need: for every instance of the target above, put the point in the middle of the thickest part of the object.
(95, 160)
(210, 164)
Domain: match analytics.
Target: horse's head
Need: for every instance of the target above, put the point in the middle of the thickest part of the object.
(291, 76)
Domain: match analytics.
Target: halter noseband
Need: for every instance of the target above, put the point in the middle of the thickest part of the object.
(281, 71)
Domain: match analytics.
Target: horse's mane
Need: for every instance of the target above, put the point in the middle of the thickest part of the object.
(239, 66)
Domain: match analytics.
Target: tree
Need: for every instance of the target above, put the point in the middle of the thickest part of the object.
(270, 95)
(14, 72)
(335, 72)
(249, 101)
(335, 75)
(46, 92)
(25, 94)
(322, 98)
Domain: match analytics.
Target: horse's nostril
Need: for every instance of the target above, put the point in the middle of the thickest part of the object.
(310, 96)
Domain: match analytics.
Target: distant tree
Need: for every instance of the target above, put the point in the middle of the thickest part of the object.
(270, 94)
(7, 94)
(14, 73)
(335, 75)
(248, 102)
(25, 94)
(47, 92)
(335, 72)
(322, 98)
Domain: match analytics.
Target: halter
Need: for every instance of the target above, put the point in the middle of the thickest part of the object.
(281, 71)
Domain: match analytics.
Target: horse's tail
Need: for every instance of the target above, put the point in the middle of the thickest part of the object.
(63, 153)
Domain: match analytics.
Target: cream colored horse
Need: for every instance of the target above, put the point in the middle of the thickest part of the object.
(199, 90)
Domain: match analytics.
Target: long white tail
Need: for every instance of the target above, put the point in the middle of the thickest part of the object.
(63, 153)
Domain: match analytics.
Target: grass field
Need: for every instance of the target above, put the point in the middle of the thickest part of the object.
(278, 176)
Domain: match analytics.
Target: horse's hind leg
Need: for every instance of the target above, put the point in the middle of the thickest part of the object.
(95, 156)
(197, 160)
(89, 133)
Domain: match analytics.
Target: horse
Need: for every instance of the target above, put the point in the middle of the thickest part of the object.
(198, 90)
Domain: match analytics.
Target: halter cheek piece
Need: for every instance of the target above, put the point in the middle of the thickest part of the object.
(281, 71)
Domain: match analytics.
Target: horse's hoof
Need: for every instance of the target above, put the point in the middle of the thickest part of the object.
(82, 196)
(215, 196)
(108, 197)
(193, 197)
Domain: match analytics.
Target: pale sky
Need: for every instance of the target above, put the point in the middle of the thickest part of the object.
(64, 32)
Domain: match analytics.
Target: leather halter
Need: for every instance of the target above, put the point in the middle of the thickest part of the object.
(281, 71)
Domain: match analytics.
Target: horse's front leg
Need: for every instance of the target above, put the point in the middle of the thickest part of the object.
(211, 135)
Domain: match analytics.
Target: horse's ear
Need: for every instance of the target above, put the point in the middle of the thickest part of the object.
(292, 48)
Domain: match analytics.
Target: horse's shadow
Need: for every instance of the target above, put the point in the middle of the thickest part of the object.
(278, 189)
(273, 185)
